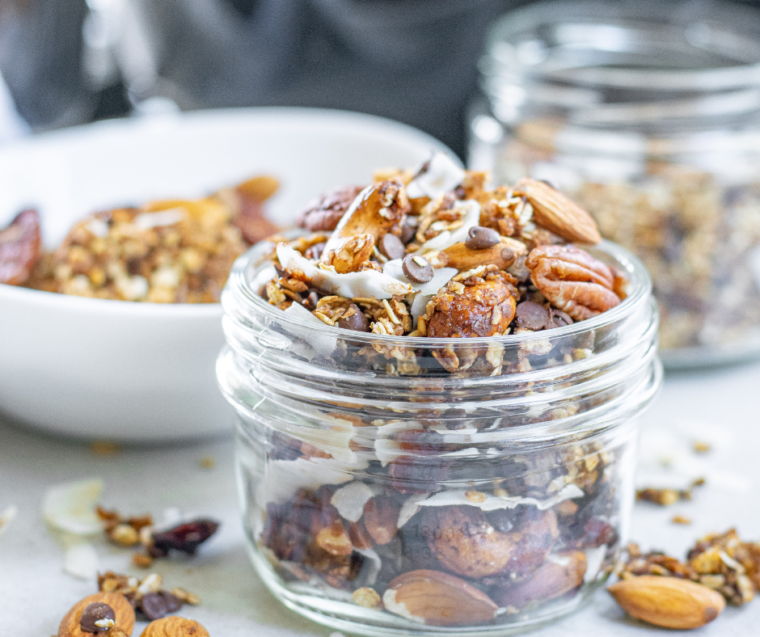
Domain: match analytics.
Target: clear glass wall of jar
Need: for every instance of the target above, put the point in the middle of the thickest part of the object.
(648, 115)
(384, 495)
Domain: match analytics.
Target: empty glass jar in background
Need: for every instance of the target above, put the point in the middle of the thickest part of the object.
(383, 495)
(648, 115)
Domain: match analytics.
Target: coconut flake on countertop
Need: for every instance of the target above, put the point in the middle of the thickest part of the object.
(322, 344)
(70, 507)
(350, 500)
(148, 220)
(493, 502)
(81, 561)
(367, 283)
(438, 175)
(284, 478)
(448, 238)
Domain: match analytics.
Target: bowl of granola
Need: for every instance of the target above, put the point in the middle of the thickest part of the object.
(437, 389)
(109, 312)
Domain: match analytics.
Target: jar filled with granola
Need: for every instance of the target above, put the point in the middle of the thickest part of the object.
(648, 115)
(436, 435)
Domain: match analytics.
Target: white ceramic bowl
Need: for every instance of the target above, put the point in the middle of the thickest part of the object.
(114, 370)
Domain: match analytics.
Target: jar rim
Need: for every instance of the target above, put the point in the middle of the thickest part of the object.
(696, 25)
(640, 288)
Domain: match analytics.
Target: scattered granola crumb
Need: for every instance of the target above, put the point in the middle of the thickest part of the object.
(142, 560)
(680, 519)
(207, 462)
(722, 562)
(146, 595)
(668, 497)
(105, 448)
(702, 447)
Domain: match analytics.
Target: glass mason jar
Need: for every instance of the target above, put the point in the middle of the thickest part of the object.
(383, 495)
(648, 115)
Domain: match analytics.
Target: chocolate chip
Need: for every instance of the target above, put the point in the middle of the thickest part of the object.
(417, 269)
(480, 238)
(97, 612)
(407, 232)
(357, 321)
(391, 246)
(158, 605)
(531, 316)
(558, 318)
(315, 251)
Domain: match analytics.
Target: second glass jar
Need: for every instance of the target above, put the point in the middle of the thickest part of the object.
(648, 115)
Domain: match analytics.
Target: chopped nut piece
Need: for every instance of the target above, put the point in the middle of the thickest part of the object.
(680, 519)
(366, 597)
(701, 447)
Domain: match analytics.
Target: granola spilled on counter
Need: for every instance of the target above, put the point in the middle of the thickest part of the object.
(172, 251)
(438, 254)
(722, 562)
(392, 520)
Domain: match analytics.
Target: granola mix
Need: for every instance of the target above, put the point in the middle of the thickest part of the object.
(174, 251)
(697, 232)
(410, 499)
(438, 254)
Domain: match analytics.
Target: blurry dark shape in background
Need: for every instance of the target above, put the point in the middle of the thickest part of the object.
(72, 61)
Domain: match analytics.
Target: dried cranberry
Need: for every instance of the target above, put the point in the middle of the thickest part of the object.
(185, 537)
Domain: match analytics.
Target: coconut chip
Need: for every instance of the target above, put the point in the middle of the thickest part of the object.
(367, 283)
(350, 500)
(70, 507)
(81, 561)
(438, 175)
(461, 497)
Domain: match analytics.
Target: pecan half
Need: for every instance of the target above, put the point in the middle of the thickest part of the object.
(19, 248)
(572, 280)
(323, 213)
(379, 209)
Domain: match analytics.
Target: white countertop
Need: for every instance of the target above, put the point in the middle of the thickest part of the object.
(36, 593)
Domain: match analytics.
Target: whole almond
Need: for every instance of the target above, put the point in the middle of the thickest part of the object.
(555, 212)
(124, 615)
(668, 601)
(174, 626)
(438, 599)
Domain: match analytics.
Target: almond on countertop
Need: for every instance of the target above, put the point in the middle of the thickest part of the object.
(174, 626)
(124, 615)
(668, 601)
(555, 212)
(438, 599)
